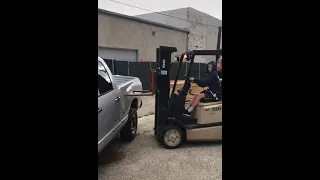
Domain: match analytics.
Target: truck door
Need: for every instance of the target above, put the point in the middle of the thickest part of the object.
(109, 107)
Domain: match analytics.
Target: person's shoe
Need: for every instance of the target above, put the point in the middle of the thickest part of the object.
(187, 113)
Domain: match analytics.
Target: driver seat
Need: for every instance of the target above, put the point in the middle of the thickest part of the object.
(212, 99)
(208, 100)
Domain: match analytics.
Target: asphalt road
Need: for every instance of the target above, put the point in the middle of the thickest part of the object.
(145, 159)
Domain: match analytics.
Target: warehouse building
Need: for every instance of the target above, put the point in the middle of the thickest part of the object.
(127, 38)
(203, 27)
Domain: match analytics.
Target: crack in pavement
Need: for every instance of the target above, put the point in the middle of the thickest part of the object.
(147, 114)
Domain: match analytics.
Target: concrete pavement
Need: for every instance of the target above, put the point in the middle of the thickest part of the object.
(145, 159)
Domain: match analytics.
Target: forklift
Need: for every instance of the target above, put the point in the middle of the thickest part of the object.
(172, 128)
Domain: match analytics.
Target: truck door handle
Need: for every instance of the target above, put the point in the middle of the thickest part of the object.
(117, 99)
(99, 109)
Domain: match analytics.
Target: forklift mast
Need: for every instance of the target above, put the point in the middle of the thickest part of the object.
(166, 109)
(162, 86)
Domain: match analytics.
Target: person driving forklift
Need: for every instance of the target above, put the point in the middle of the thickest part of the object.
(211, 81)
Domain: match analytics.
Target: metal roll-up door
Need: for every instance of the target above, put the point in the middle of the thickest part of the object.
(118, 54)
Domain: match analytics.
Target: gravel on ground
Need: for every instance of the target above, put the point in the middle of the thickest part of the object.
(145, 159)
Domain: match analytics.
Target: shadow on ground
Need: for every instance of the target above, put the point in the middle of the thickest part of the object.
(200, 144)
(112, 153)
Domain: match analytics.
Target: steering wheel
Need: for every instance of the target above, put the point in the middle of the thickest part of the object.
(189, 92)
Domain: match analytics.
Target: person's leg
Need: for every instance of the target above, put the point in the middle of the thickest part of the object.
(191, 102)
(197, 100)
(194, 103)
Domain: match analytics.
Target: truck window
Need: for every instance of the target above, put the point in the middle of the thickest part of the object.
(104, 86)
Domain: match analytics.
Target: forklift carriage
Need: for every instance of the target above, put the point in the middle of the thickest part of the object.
(172, 127)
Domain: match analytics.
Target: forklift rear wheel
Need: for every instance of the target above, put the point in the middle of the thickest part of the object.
(129, 130)
(172, 137)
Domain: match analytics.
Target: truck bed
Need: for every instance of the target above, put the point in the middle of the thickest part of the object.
(121, 80)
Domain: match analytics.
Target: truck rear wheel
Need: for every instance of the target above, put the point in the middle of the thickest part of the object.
(129, 131)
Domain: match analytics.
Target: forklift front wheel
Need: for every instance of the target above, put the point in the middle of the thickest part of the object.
(172, 137)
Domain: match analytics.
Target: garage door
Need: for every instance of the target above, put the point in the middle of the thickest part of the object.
(118, 54)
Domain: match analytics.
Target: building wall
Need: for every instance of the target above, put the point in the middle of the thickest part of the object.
(179, 23)
(200, 37)
(124, 33)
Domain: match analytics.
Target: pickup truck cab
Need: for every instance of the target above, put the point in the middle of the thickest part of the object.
(116, 111)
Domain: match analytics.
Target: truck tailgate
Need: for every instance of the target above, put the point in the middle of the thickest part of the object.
(121, 80)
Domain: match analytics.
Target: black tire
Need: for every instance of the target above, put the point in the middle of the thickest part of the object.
(129, 130)
(172, 133)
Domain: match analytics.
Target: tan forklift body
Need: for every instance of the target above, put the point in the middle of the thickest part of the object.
(207, 113)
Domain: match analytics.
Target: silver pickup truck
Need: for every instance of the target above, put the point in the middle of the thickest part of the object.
(117, 112)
